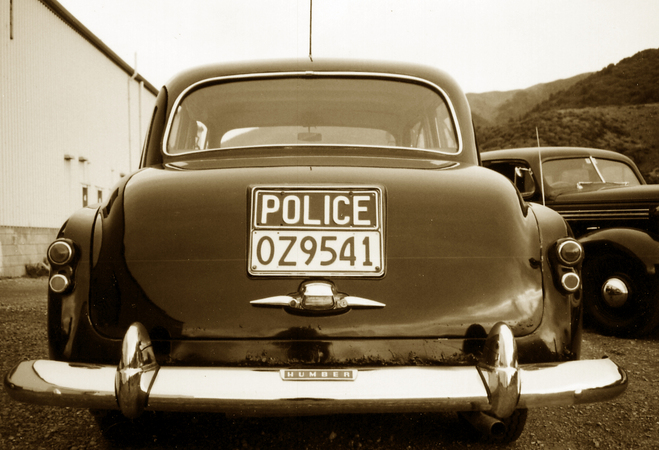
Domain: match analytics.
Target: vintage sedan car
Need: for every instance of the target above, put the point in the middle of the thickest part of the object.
(312, 238)
(615, 216)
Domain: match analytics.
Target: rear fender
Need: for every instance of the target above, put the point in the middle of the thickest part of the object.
(562, 318)
(70, 332)
(66, 310)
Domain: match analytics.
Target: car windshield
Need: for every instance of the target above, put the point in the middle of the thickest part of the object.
(579, 173)
(325, 110)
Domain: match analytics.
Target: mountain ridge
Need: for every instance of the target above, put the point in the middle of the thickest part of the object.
(616, 108)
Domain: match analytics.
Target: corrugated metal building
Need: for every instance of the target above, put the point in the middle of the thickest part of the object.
(72, 120)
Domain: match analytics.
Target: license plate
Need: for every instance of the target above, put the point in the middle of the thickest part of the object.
(318, 375)
(316, 232)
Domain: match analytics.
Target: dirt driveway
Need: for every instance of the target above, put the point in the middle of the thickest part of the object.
(631, 421)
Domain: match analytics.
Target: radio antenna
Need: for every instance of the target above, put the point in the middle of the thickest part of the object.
(542, 178)
(310, 27)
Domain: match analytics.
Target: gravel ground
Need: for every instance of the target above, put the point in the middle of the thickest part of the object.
(631, 421)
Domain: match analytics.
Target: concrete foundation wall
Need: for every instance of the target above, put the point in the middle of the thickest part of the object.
(20, 246)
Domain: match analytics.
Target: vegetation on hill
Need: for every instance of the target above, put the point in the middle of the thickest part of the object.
(616, 108)
(495, 108)
(633, 81)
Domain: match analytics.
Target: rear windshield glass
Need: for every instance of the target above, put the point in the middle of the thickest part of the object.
(312, 111)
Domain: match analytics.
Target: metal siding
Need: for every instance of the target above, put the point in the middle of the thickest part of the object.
(61, 96)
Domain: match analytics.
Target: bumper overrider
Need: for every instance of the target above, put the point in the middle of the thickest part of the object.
(497, 385)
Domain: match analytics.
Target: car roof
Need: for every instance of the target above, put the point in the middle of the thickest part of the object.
(531, 153)
(183, 80)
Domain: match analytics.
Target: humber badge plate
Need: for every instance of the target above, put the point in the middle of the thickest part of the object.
(318, 375)
(316, 231)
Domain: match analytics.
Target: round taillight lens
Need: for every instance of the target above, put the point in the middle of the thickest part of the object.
(570, 281)
(58, 283)
(570, 252)
(60, 252)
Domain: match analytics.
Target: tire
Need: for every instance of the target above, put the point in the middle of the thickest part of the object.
(634, 314)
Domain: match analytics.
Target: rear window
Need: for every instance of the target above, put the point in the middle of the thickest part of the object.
(337, 111)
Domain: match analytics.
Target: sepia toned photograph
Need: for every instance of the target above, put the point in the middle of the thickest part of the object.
(329, 224)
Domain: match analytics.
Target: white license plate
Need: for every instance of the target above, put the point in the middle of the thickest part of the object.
(316, 232)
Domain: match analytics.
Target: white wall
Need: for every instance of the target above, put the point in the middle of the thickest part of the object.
(71, 115)
(61, 96)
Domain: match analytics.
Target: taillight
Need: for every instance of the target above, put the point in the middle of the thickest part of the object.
(569, 252)
(61, 255)
(570, 281)
(59, 283)
(567, 256)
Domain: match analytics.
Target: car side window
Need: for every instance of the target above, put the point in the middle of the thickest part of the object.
(518, 172)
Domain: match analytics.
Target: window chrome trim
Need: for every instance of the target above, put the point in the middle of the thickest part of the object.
(601, 214)
(307, 74)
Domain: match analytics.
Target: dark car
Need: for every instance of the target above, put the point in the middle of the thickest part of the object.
(615, 216)
(313, 238)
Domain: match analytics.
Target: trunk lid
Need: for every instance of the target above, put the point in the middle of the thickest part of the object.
(459, 248)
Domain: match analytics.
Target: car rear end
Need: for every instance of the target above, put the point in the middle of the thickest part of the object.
(313, 242)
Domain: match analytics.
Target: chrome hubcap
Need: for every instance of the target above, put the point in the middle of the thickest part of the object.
(615, 292)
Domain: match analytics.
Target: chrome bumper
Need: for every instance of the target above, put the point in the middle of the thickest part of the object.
(496, 385)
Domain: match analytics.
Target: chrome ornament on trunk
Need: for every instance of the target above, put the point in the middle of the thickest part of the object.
(318, 296)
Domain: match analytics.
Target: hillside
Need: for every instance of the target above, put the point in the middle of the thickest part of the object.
(484, 107)
(497, 107)
(616, 108)
(633, 81)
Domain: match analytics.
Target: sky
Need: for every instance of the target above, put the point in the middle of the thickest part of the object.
(486, 45)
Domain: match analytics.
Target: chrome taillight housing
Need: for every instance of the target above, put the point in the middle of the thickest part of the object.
(570, 281)
(59, 283)
(60, 252)
(568, 255)
(569, 252)
(61, 255)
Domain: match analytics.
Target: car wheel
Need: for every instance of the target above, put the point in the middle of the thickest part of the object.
(618, 297)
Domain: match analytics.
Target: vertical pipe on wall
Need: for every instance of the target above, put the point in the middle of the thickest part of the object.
(130, 127)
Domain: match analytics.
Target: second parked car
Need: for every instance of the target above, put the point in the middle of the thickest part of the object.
(615, 216)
